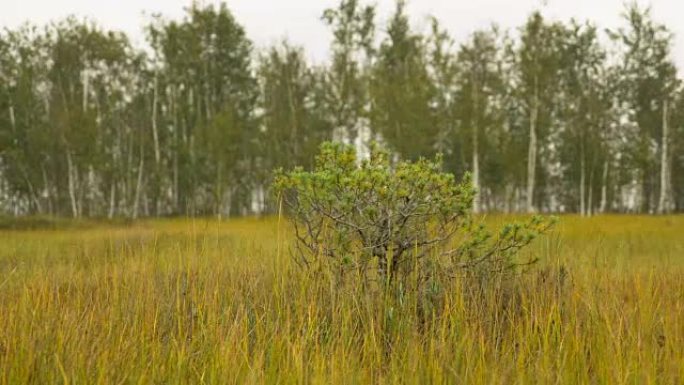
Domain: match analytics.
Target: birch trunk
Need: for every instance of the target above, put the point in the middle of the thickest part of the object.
(229, 202)
(155, 132)
(219, 191)
(293, 120)
(138, 186)
(604, 188)
(509, 195)
(664, 201)
(582, 185)
(32, 191)
(86, 84)
(476, 152)
(590, 203)
(112, 201)
(176, 194)
(47, 189)
(70, 183)
(13, 121)
(477, 206)
(532, 152)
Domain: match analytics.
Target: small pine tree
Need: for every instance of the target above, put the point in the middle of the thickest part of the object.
(390, 221)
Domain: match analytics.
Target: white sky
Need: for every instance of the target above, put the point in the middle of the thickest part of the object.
(268, 21)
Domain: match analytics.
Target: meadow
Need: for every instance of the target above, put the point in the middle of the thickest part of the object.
(201, 301)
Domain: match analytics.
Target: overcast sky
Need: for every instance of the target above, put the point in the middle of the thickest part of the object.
(268, 21)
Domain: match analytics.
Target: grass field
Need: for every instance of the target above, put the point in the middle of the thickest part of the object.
(197, 301)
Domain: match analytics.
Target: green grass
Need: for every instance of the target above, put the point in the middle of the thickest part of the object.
(183, 301)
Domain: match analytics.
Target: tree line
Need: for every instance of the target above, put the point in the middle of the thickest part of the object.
(551, 116)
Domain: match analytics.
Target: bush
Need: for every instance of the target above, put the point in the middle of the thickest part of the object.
(391, 221)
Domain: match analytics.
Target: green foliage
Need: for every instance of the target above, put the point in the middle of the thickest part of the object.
(393, 220)
(206, 93)
(292, 106)
(402, 92)
(347, 78)
(648, 83)
(91, 125)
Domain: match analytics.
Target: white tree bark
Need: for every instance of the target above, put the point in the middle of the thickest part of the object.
(138, 186)
(71, 185)
(46, 189)
(155, 133)
(174, 110)
(664, 201)
(590, 199)
(219, 191)
(86, 84)
(13, 121)
(583, 207)
(32, 192)
(477, 207)
(604, 188)
(532, 152)
(112, 201)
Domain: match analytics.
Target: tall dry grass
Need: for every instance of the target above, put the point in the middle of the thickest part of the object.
(171, 302)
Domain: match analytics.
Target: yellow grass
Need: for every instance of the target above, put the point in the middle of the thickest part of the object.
(183, 301)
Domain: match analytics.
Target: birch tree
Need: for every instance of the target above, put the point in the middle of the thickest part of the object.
(292, 107)
(208, 85)
(585, 110)
(353, 51)
(480, 83)
(538, 63)
(649, 84)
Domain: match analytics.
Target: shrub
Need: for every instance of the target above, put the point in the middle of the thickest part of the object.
(389, 221)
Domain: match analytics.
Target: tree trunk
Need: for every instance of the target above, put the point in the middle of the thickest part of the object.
(138, 186)
(86, 84)
(476, 153)
(129, 174)
(664, 201)
(47, 189)
(176, 141)
(155, 133)
(219, 191)
(229, 201)
(13, 120)
(509, 196)
(32, 193)
(157, 153)
(532, 153)
(477, 199)
(70, 183)
(582, 185)
(590, 203)
(112, 201)
(604, 188)
(294, 123)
